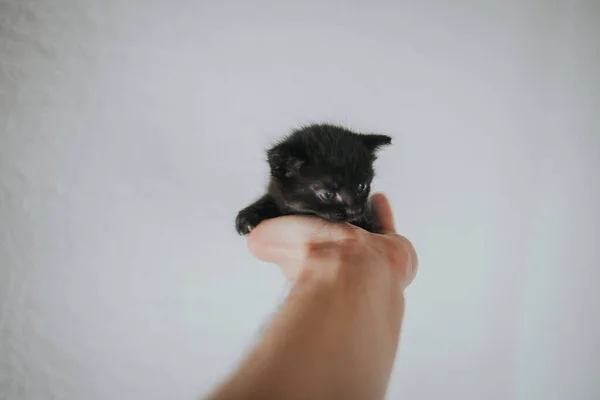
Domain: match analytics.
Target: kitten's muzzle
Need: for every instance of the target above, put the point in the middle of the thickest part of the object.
(355, 211)
(344, 215)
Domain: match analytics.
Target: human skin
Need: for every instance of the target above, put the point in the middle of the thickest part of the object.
(336, 334)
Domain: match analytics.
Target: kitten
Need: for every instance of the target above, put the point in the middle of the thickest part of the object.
(322, 170)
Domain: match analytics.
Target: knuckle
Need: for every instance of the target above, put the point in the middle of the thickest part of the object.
(403, 257)
(309, 250)
(349, 235)
(337, 244)
(397, 253)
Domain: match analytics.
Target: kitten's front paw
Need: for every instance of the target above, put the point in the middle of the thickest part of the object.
(246, 220)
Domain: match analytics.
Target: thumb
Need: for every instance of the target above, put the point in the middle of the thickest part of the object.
(383, 213)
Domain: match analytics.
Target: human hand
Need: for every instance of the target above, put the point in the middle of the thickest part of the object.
(299, 244)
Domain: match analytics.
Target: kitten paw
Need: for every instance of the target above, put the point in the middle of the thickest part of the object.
(246, 220)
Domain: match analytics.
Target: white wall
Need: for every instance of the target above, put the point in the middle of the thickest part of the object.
(132, 131)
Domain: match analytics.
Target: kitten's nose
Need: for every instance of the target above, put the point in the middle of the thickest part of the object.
(354, 211)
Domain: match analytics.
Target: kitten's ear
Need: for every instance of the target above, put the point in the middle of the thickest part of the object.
(283, 162)
(375, 141)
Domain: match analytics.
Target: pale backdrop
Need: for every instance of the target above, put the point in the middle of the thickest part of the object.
(132, 131)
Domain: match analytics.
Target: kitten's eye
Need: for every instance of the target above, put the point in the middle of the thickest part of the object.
(361, 187)
(326, 195)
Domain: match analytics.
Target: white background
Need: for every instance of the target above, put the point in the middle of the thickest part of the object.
(131, 132)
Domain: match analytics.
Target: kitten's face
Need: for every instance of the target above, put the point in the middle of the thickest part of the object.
(333, 195)
(325, 170)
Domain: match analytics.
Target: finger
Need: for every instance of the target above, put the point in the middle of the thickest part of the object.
(275, 240)
(383, 213)
(413, 260)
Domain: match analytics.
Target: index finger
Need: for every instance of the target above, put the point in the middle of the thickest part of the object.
(276, 239)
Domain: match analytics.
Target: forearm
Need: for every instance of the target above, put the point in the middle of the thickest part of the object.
(334, 337)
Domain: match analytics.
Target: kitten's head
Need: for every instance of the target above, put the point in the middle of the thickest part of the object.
(325, 170)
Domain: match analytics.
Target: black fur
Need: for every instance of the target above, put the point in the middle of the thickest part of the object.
(314, 160)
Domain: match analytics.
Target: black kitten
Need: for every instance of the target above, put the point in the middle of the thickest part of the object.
(321, 170)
